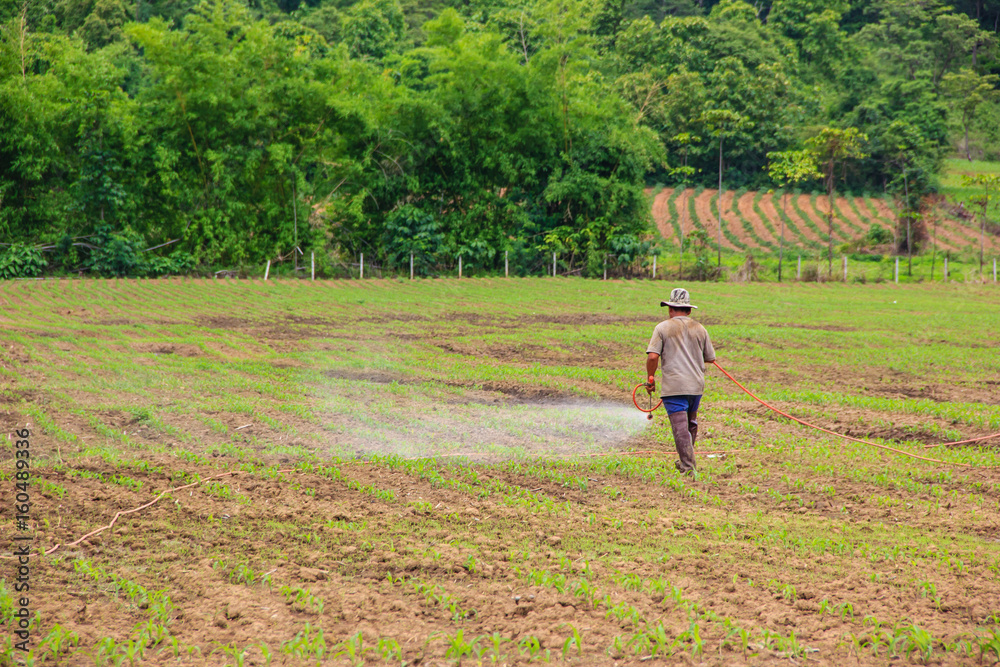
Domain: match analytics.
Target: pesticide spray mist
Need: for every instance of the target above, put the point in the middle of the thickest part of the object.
(415, 421)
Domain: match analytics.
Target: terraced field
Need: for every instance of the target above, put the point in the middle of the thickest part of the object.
(752, 220)
(451, 472)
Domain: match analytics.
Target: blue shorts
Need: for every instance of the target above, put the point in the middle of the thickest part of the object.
(685, 403)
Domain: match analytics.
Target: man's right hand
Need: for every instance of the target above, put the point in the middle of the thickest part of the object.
(651, 385)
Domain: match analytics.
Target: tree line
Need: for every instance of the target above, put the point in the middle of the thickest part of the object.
(165, 136)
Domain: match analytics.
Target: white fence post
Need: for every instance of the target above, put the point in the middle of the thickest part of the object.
(654, 267)
(994, 269)
(506, 263)
(362, 265)
(946, 268)
(896, 275)
(411, 266)
(605, 267)
(553, 265)
(312, 263)
(267, 270)
(798, 271)
(459, 266)
(845, 268)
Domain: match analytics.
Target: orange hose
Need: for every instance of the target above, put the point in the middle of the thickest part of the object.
(635, 401)
(841, 435)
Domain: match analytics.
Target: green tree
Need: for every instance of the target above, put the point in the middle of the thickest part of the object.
(326, 20)
(904, 146)
(967, 91)
(520, 147)
(62, 110)
(989, 183)
(790, 168)
(921, 39)
(814, 27)
(833, 147)
(373, 28)
(104, 23)
(242, 111)
(725, 61)
(723, 123)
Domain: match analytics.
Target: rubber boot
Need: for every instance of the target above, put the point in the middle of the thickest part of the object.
(682, 439)
(693, 427)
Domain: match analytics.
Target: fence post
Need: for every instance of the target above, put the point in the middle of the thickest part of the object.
(506, 264)
(896, 275)
(845, 268)
(994, 269)
(362, 265)
(654, 267)
(267, 270)
(312, 263)
(946, 268)
(798, 271)
(459, 266)
(553, 265)
(605, 267)
(411, 266)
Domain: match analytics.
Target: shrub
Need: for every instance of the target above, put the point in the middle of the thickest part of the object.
(21, 261)
(120, 254)
(178, 262)
(863, 257)
(114, 253)
(878, 235)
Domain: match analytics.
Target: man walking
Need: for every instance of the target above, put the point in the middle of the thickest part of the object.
(681, 347)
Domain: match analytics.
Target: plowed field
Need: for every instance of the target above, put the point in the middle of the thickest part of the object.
(445, 472)
(755, 220)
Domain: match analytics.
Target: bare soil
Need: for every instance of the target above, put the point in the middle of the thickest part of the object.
(745, 205)
(709, 220)
(661, 213)
(467, 539)
(948, 237)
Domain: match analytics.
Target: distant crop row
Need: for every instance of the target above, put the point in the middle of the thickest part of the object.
(752, 220)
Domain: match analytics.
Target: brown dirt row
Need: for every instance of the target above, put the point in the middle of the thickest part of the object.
(745, 205)
(948, 238)
(710, 221)
(845, 209)
(661, 213)
(840, 234)
(684, 211)
(948, 235)
(957, 238)
(768, 206)
(850, 421)
(970, 229)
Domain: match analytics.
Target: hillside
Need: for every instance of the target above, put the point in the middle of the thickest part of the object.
(160, 138)
(752, 220)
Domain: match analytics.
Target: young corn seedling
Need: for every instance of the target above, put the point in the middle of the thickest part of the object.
(353, 648)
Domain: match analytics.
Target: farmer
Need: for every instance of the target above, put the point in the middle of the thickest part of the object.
(681, 347)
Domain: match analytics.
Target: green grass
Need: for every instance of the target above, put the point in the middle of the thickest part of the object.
(956, 192)
(449, 446)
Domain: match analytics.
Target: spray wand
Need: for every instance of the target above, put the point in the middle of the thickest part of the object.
(646, 404)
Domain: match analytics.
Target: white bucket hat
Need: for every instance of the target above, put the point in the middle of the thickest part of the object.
(679, 298)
